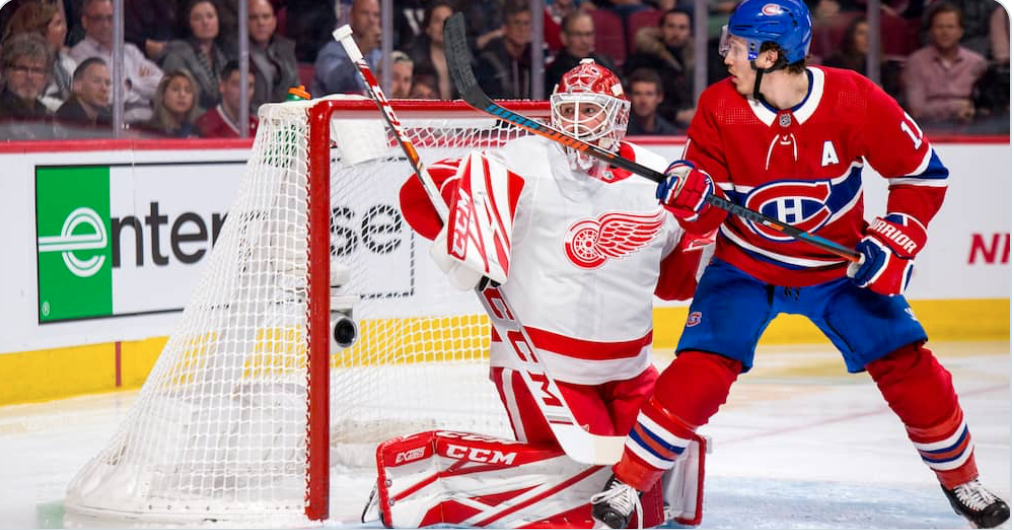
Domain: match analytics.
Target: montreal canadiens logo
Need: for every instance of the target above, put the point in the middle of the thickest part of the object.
(589, 243)
(771, 9)
(800, 204)
(693, 319)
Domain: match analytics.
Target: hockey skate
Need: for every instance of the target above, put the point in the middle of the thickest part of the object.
(616, 503)
(974, 502)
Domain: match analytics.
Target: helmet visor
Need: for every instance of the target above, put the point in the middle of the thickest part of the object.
(737, 47)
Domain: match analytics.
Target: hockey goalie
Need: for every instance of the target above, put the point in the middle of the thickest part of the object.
(580, 248)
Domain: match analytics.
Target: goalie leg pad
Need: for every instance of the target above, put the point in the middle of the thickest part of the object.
(464, 479)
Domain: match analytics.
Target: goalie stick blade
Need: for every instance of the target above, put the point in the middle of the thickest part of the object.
(588, 448)
(459, 67)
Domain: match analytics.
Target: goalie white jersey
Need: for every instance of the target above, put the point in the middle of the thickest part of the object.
(590, 246)
(586, 257)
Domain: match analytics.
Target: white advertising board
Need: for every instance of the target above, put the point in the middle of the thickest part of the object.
(107, 245)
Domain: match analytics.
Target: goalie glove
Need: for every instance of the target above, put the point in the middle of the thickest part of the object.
(887, 254)
(475, 244)
(685, 190)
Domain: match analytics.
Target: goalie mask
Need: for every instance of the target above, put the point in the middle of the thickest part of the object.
(588, 103)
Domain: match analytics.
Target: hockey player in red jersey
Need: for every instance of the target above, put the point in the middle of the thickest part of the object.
(791, 141)
(588, 247)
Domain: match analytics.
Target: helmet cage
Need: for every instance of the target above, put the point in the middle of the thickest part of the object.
(606, 126)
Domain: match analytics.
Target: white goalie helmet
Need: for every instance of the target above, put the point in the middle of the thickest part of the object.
(589, 103)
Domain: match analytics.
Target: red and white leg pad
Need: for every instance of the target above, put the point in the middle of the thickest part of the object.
(683, 485)
(456, 478)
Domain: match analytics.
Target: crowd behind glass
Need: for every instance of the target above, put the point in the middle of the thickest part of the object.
(946, 61)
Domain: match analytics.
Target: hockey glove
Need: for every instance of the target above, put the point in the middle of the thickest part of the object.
(684, 190)
(887, 253)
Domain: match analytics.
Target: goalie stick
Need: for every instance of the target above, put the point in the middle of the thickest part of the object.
(459, 67)
(580, 445)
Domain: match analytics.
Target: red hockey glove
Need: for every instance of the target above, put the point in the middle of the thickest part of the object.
(888, 251)
(684, 190)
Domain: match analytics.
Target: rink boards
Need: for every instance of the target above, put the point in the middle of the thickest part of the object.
(168, 205)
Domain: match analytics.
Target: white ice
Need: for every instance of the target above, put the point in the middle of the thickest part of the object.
(800, 444)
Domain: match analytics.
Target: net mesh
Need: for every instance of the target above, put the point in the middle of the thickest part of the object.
(219, 429)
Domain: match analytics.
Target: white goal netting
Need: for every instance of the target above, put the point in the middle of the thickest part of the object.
(219, 431)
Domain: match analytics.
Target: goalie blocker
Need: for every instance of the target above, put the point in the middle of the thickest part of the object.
(458, 478)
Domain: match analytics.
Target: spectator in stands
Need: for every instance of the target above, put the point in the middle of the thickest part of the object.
(401, 75)
(150, 25)
(334, 72)
(26, 58)
(578, 38)
(88, 108)
(552, 18)
(176, 105)
(47, 20)
(505, 64)
(624, 8)
(992, 91)
(310, 23)
(999, 36)
(975, 15)
(223, 120)
(427, 51)
(408, 22)
(201, 53)
(851, 55)
(424, 86)
(140, 75)
(669, 51)
(483, 22)
(272, 57)
(645, 97)
(939, 77)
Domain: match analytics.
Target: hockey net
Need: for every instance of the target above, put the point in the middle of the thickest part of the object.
(253, 403)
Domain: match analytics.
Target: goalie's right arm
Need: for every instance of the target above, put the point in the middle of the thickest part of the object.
(415, 204)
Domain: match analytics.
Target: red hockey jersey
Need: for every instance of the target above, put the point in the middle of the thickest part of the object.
(804, 167)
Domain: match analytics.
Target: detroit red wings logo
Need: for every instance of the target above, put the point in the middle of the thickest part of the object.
(589, 243)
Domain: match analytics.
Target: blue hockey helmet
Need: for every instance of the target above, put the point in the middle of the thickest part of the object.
(783, 22)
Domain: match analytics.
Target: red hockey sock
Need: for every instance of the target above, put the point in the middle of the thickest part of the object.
(687, 394)
(920, 392)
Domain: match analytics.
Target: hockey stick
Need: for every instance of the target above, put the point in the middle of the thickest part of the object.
(459, 67)
(579, 444)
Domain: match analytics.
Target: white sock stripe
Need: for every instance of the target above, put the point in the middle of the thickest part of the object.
(953, 464)
(654, 428)
(943, 444)
(646, 455)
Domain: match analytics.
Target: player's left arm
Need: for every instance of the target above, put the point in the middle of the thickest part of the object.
(917, 182)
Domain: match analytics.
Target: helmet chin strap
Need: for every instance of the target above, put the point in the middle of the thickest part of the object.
(779, 64)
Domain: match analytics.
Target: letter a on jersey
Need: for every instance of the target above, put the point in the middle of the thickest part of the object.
(830, 157)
